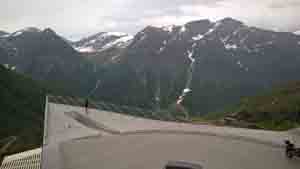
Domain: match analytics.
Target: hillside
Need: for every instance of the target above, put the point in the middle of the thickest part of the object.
(278, 109)
(22, 107)
(45, 56)
(202, 65)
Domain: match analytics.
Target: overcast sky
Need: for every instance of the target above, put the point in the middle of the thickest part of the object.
(77, 18)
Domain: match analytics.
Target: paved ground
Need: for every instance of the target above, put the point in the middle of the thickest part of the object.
(124, 124)
(59, 128)
(152, 151)
(101, 139)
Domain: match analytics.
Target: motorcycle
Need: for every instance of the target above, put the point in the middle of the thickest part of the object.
(291, 150)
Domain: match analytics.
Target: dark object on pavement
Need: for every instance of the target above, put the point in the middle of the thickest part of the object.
(291, 150)
(182, 165)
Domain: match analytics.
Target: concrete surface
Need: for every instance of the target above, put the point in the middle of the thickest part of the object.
(102, 139)
(144, 151)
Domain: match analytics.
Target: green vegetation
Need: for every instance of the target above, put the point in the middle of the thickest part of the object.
(21, 110)
(278, 125)
(278, 109)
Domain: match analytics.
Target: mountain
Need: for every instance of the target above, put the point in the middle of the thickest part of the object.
(297, 32)
(103, 47)
(47, 57)
(2, 33)
(276, 109)
(22, 109)
(202, 65)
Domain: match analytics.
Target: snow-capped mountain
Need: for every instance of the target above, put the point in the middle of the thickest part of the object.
(230, 34)
(297, 32)
(203, 65)
(25, 30)
(102, 41)
(3, 34)
(103, 47)
(46, 56)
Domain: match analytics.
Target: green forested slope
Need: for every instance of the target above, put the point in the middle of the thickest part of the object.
(278, 109)
(21, 109)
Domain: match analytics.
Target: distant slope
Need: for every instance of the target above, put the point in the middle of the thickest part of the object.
(103, 47)
(2, 33)
(21, 110)
(45, 56)
(278, 109)
(207, 64)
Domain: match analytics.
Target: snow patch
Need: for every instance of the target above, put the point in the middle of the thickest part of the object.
(190, 55)
(224, 40)
(299, 43)
(229, 46)
(143, 37)
(179, 100)
(104, 35)
(88, 49)
(187, 90)
(182, 29)
(92, 41)
(210, 31)
(161, 49)
(119, 42)
(184, 93)
(239, 63)
(198, 37)
(9, 67)
(6, 66)
(17, 33)
(115, 34)
(236, 31)
(297, 32)
(218, 23)
(115, 57)
(242, 41)
(5, 36)
(168, 28)
(164, 42)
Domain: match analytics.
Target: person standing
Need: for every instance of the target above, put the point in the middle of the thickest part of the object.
(86, 106)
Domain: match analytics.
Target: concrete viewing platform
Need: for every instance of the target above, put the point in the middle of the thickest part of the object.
(75, 139)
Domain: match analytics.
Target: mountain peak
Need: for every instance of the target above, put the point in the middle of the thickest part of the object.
(102, 41)
(297, 32)
(229, 20)
(115, 33)
(31, 29)
(3, 34)
(202, 21)
(26, 30)
(49, 31)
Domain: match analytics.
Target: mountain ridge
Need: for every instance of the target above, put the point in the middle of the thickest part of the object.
(227, 53)
(222, 61)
